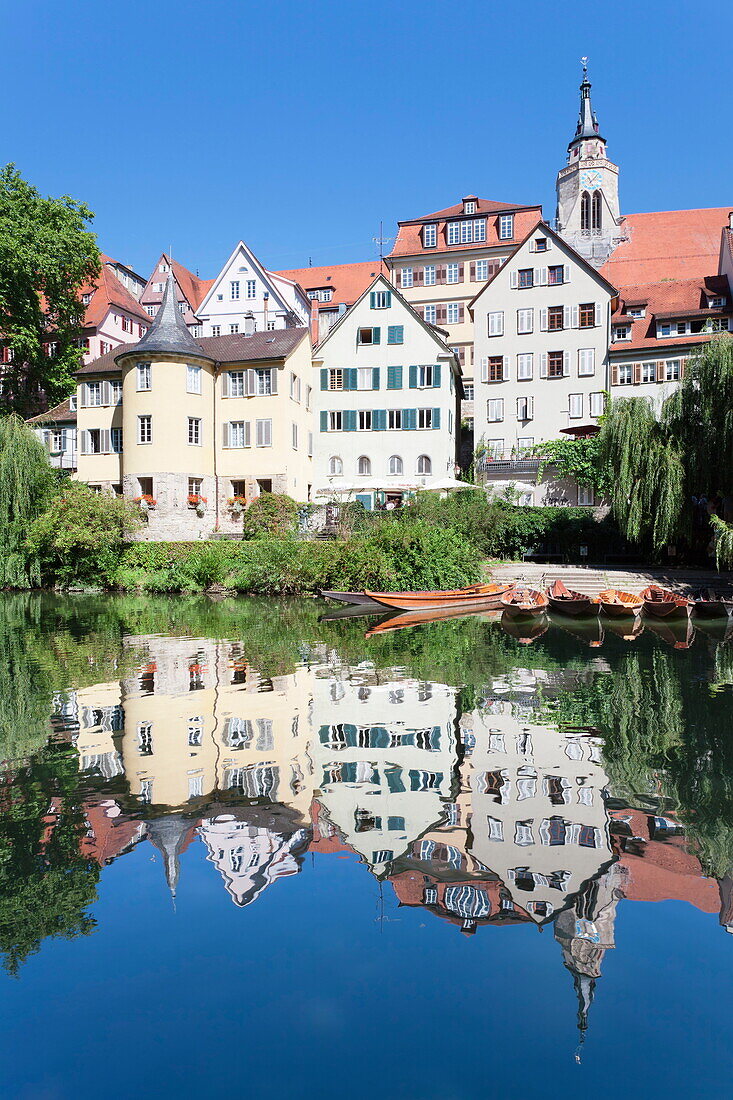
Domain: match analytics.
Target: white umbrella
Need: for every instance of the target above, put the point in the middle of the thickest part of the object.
(442, 484)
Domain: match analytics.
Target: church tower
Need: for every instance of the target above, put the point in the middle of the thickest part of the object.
(587, 188)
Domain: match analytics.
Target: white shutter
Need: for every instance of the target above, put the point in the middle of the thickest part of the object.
(566, 363)
(225, 383)
(505, 369)
(598, 313)
(268, 433)
(566, 317)
(250, 387)
(105, 440)
(500, 324)
(531, 246)
(500, 407)
(484, 369)
(530, 408)
(247, 434)
(85, 443)
(543, 365)
(225, 440)
(273, 380)
(576, 317)
(513, 280)
(543, 276)
(543, 320)
(566, 273)
(84, 395)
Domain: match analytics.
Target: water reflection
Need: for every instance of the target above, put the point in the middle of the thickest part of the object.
(513, 786)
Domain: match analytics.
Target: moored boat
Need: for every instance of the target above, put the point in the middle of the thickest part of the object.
(708, 604)
(569, 602)
(661, 602)
(616, 603)
(483, 595)
(356, 598)
(520, 600)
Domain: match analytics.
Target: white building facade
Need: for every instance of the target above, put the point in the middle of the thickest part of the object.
(386, 392)
(246, 298)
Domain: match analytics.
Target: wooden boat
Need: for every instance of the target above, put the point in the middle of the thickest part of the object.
(521, 601)
(568, 602)
(524, 630)
(482, 595)
(661, 603)
(708, 604)
(618, 604)
(421, 618)
(677, 633)
(587, 630)
(357, 598)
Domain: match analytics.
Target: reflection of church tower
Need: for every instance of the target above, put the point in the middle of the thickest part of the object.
(587, 188)
(169, 835)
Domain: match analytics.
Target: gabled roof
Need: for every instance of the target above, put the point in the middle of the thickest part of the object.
(563, 244)
(382, 280)
(409, 240)
(169, 333)
(236, 348)
(348, 280)
(667, 244)
(191, 286)
(668, 299)
(483, 206)
(108, 292)
(255, 263)
(56, 415)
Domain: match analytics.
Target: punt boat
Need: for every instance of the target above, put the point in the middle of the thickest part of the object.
(357, 598)
(661, 602)
(569, 602)
(617, 604)
(480, 596)
(521, 601)
(708, 604)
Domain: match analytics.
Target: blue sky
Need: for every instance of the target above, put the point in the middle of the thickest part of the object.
(300, 126)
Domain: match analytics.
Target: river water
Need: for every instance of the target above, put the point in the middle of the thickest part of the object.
(247, 852)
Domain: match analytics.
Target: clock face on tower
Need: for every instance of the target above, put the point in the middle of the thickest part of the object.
(590, 180)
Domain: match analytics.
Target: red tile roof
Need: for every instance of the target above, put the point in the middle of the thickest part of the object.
(668, 298)
(62, 412)
(107, 291)
(409, 234)
(193, 289)
(483, 206)
(668, 244)
(349, 281)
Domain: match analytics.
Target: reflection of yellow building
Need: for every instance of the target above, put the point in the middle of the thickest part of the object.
(384, 755)
(101, 718)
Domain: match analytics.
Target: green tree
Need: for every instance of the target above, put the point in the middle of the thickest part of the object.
(26, 485)
(580, 459)
(46, 255)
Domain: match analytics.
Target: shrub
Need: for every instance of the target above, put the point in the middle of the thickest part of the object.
(270, 514)
(78, 539)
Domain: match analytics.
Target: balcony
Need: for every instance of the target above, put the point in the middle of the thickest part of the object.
(514, 458)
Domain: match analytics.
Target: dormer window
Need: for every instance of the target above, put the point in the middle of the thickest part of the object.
(469, 206)
(716, 303)
(622, 332)
(636, 311)
(540, 244)
(86, 299)
(506, 227)
(430, 235)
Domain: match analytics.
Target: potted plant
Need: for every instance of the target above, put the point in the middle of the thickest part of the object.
(198, 503)
(236, 506)
(145, 503)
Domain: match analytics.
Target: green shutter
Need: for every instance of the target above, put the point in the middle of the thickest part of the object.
(375, 378)
(394, 378)
(395, 334)
(372, 300)
(349, 420)
(379, 420)
(375, 335)
(436, 376)
(324, 421)
(324, 378)
(436, 418)
(389, 297)
(413, 377)
(409, 419)
(350, 378)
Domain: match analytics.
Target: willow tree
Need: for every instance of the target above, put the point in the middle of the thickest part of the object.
(658, 463)
(26, 485)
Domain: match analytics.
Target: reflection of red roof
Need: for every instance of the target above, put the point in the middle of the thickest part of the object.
(665, 870)
(669, 298)
(409, 886)
(349, 281)
(107, 291)
(108, 834)
(668, 244)
(326, 838)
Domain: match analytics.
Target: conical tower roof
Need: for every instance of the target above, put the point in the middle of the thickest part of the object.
(168, 834)
(587, 122)
(169, 334)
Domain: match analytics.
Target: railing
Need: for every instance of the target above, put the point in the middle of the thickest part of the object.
(515, 458)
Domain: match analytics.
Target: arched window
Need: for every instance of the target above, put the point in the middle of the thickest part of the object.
(585, 210)
(335, 465)
(395, 464)
(364, 465)
(424, 465)
(597, 210)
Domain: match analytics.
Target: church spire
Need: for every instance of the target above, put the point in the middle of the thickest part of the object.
(587, 122)
(169, 333)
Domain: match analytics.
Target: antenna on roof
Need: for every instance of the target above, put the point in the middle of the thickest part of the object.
(381, 241)
(310, 261)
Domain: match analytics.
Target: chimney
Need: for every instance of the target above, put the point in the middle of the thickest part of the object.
(249, 324)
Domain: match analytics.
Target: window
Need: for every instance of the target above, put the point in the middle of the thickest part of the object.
(425, 418)
(555, 275)
(196, 331)
(193, 379)
(364, 378)
(406, 278)
(251, 288)
(587, 314)
(364, 420)
(395, 334)
(236, 383)
(597, 209)
(555, 318)
(145, 738)
(195, 485)
(585, 496)
(239, 436)
(380, 299)
(216, 330)
(525, 408)
(115, 391)
(430, 235)
(495, 410)
(263, 381)
(150, 310)
(394, 418)
(585, 212)
(234, 290)
(158, 288)
(363, 465)
(649, 372)
(336, 378)
(714, 303)
(636, 311)
(263, 436)
(525, 367)
(555, 364)
(495, 447)
(453, 233)
(575, 406)
(116, 439)
(672, 370)
(622, 332)
(451, 273)
(145, 429)
(335, 466)
(469, 207)
(452, 313)
(597, 403)
(540, 244)
(468, 391)
(495, 368)
(625, 374)
(335, 421)
(482, 271)
(368, 336)
(424, 465)
(496, 323)
(431, 315)
(525, 278)
(233, 330)
(143, 376)
(506, 227)
(586, 362)
(429, 275)
(395, 465)
(295, 436)
(308, 392)
(525, 321)
(194, 430)
(425, 376)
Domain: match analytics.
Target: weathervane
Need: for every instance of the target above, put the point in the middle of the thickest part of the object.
(584, 63)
